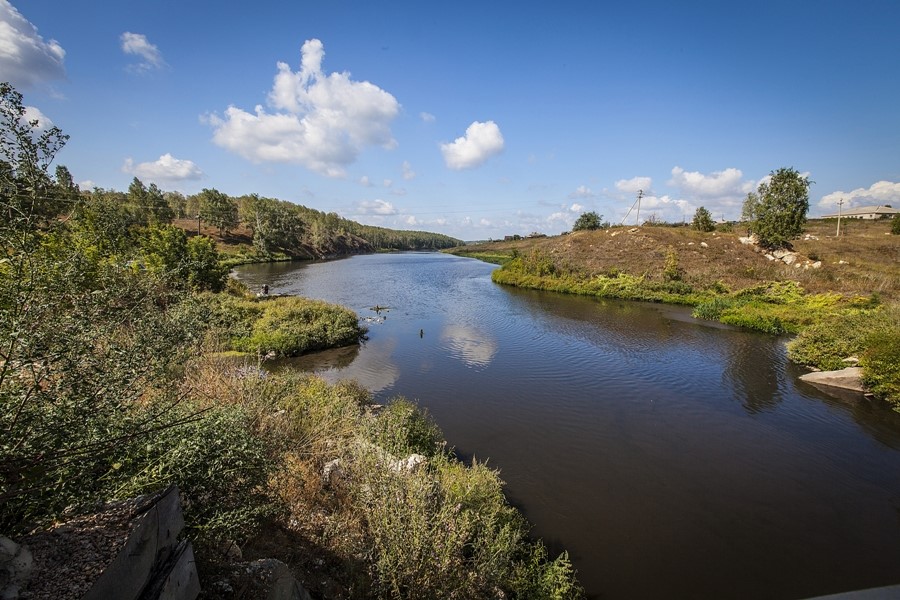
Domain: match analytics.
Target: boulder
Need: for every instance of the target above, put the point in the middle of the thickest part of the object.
(849, 378)
(15, 568)
(411, 463)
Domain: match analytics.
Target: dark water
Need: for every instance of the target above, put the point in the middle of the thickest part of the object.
(672, 458)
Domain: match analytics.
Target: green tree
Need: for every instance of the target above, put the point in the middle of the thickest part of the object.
(204, 271)
(218, 210)
(703, 220)
(895, 226)
(28, 198)
(588, 221)
(776, 212)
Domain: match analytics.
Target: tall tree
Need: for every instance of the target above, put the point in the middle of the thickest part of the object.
(776, 212)
(218, 210)
(27, 148)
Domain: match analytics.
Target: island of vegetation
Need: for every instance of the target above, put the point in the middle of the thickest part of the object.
(118, 323)
(775, 272)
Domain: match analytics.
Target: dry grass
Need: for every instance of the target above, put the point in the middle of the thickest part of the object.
(870, 255)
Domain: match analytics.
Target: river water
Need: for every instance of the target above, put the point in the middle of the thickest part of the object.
(672, 458)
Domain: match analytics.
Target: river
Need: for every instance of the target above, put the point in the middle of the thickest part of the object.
(672, 458)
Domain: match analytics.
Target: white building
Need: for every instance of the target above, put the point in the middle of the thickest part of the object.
(866, 212)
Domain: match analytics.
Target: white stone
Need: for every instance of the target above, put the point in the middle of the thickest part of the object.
(704, 245)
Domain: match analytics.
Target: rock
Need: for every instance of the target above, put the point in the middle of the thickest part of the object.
(410, 464)
(816, 265)
(790, 258)
(751, 240)
(16, 564)
(264, 579)
(848, 379)
(770, 257)
(851, 361)
(332, 471)
(704, 245)
(231, 551)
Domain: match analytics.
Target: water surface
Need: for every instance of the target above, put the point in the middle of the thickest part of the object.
(672, 458)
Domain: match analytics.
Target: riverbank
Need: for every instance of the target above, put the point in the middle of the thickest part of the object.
(849, 285)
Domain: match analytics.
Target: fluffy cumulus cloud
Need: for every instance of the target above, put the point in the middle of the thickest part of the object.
(34, 114)
(26, 59)
(317, 120)
(376, 207)
(718, 184)
(149, 56)
(879, 193)
(634, 185)
(166, 168)
(582, 191)
(481, 141)
(408, 172)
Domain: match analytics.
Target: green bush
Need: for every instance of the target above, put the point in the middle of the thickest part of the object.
(217, 460)
(402, 428)
(827, 342)
(895, 226)
(881, 364)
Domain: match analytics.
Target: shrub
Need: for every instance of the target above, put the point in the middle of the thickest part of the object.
(703, 220)
(881, 364)
(895, 226)
(402, 428)
(826, 343)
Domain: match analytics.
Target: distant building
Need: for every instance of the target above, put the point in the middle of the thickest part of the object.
(866, 212)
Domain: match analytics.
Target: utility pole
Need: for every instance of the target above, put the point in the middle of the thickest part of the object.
(840, 207)
(638, 219)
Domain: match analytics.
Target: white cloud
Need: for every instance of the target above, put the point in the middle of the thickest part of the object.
(582, 191)
(322, 121)
(387, 183)
(427, 117)
(138, 45)
(576, 208)
(365, 182)
(166, 168)
(26, 60)
(87, 185)
(411, 220)
(481, 141)
(34, 114)
(880, 192)
(376, 207)
(634, 185)
(408, 172)
(718, 184)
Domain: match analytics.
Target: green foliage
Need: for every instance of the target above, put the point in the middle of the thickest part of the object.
(588, 221)
(703, 220)
(276, 225)
(827, 342)
(204, 269)
(446, 531)
(218, 210)
(402, 429)
(671, 270)
(148, 204)
(219, 463)
(286, 326)
(777, 211)
(29, 198)
(881, 364)
(537, 578)
(895, 225)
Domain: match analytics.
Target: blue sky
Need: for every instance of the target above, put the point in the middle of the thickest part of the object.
(475, 119)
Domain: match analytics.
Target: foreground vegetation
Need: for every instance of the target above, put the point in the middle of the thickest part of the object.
(845, 307)
(116, 379)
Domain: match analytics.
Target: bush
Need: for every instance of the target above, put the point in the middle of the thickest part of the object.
(402, 429)
(217, 460)
(703, 220)
(895, 225)
(881, 364)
